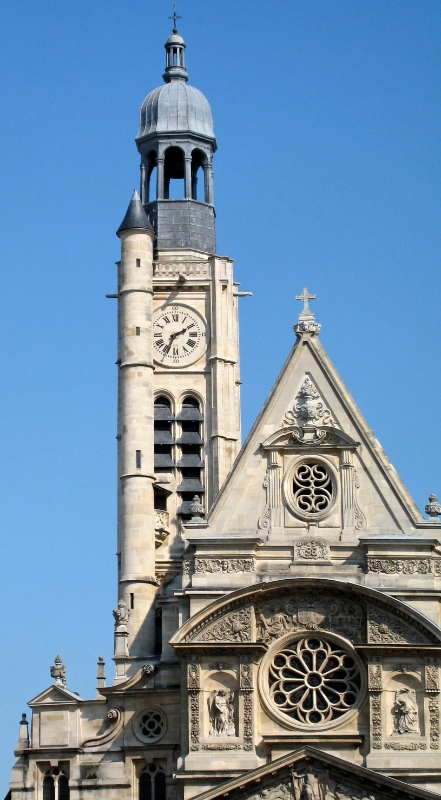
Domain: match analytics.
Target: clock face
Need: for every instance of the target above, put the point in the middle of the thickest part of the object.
(179, 336)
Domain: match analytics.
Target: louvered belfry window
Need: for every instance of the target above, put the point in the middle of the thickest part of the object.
(190, 463)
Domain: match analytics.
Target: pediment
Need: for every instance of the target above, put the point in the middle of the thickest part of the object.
(265, 612)
(310, 413)
(310, 774)
(55, 695)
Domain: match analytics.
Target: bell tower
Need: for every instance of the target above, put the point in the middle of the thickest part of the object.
(190, 346)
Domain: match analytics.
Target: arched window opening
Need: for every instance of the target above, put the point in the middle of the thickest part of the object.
(197, 176)
(48, 788)
(174, 174)
(55, 785)
(151, 187)
(158, 631)
(163, 443)
(152, 783)
(190, 460)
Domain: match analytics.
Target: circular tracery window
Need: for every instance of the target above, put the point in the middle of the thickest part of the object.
(311, 488)
(149, 724)
(312, 681)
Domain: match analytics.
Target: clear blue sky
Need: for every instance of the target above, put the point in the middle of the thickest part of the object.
(327, 114)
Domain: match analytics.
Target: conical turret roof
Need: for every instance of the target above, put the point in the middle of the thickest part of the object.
(135, 216)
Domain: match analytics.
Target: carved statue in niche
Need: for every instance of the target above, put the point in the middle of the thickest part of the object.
(221, 712)
(405, 711)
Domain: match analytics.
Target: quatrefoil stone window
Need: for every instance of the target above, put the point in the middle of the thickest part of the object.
(312, 681)
(149, 724)
(311, 488)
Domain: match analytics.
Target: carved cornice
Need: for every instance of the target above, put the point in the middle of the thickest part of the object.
(292, 437)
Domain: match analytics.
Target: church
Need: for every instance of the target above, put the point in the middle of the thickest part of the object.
(277, 616)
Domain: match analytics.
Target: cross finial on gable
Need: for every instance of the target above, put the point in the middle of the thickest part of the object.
(306, 323)
(306, 297)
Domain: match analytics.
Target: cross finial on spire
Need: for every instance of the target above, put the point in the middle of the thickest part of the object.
(306, 323)
(175, 17)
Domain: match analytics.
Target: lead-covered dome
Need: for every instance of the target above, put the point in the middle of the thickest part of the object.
(176, 106)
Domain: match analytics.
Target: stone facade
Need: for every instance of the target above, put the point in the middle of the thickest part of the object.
(277, 629)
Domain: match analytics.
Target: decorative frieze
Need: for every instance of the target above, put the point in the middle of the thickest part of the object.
(432, 675)
(225, 565)
(194, 720)
(233, 627)
(247, 720)
(376, 724)
(221, 746)
(404, 566)
(405, 746)
(434, 722)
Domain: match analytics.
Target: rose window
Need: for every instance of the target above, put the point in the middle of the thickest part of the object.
(149, 724)
(312, 488)
(314, 681)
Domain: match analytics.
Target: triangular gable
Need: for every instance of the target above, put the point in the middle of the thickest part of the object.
(310, 774)
(306, 366)
(55, 695)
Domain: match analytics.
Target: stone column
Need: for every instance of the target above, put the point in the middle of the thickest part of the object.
(188, 187)
(137, 585)
(160, 179)
(143, 186)
(208, 174)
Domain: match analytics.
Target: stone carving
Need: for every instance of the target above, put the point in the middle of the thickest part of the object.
(338, 616)
(187, 567)
(376, 721)
(197, 510)
(221, 713)
(311, 550)
(231, 565)
(436, 566)
(220, 666)
(359, 517)
(161, 526)
(59, 672)
(405, 746)
(308, 409)
(280, 791)
(306, 322)
(432, 675)
(246, 676)
(115, 717)
(233, 627)
(374, 678)
(391, 566)
(194, 720)
(247, 721)
(221, 746)
(405, 711)
(89, 771)
(163, 576)
(433, 508)
(193, 676)
(434, 723)
(312, 784)
(386, 628)
(265, 518)
(122, 613)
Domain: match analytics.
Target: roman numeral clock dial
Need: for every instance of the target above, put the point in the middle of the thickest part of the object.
(179, 336)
